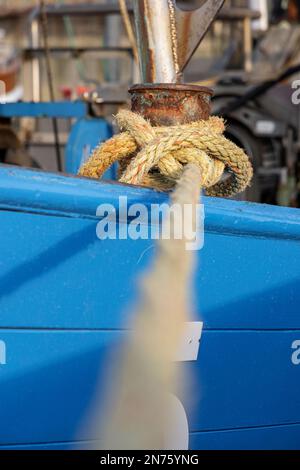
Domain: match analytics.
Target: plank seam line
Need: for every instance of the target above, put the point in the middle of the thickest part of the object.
(191, 433)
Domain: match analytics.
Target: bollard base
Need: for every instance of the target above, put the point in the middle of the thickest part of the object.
(171, 104)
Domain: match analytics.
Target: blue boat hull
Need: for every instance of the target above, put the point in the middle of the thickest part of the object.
(65, 297)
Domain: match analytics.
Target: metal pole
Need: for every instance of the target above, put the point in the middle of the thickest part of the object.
(248, 50)
(168, 36)
(154, 39)
(44, 25)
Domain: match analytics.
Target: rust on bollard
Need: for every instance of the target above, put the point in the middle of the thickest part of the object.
(171, 104)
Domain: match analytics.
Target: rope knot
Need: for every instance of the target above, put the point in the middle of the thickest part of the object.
(156, 156)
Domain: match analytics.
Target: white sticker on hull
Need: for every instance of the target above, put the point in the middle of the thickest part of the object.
(190, 342)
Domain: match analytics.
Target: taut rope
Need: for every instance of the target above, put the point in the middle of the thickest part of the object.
(139, 398)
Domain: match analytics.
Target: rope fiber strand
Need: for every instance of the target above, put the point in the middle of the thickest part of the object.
(155, 156)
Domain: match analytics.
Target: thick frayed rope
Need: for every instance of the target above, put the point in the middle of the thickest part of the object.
(156, 156)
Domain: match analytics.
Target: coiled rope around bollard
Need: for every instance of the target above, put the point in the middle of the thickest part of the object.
(187, 158)
(156, 156)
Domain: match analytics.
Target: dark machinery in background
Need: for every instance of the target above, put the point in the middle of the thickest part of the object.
(252, 74)
(265, 122)
(261, 114)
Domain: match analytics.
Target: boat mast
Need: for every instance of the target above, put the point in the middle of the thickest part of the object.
(167, 36)
(154, 38)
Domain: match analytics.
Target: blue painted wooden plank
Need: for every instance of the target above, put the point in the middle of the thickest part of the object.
(59, 109)
(263, 438)
(55, 272)
(245, 282)
(244, 379)
(74, 445)
(39, 191)
(48, 383)
(240, 380)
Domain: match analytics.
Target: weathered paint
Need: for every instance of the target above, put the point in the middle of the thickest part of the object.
(168, 104)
